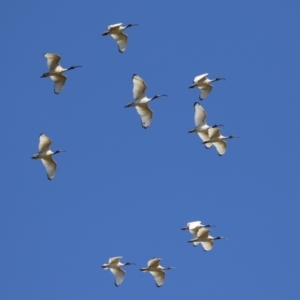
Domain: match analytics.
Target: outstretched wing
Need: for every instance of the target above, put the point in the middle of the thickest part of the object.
(45, 143)
(50, 166)
(114, 260)
(154, 262)
(52, 61)
(121, 39)
(159, 277)
(200, 115)
(119, 275)
(205, 90)
(207, 245)
(221, 147)
(200, 78)
(59, 82)
(145, 113)
(139, 87)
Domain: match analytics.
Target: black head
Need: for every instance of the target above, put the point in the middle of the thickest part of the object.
(218, 78)
(220, 238)
(74, 67)
(130, 25)
(157, 96)
(233, 136)
(209, 225)
(129, 263)
(58, 151)
(217, 125)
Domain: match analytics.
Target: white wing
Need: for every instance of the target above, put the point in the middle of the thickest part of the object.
(207, 245)
(221, 147)
(196, 243)
(50, 166)
(159, 277)
(200, 78)
(139, 87)
(59, 82)
(154, 262)
(146, 114)
(52, 61)
(203, 232)
(213, 132)
(200, 115)
(115, 259)
(204, 137)
(45, 143)
(205, 90)
(114, 26)
(119, 275)
(121, 38)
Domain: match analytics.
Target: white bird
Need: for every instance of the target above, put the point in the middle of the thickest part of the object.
(45, 154)
(218, 140)
(157, 271)
(193, 228)
(201, 126)
(115, 267)
(116, 32)
(204, 84)
(56, 71)
(205, 239)
(141, 101)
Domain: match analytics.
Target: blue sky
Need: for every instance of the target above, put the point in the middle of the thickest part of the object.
(123, 190)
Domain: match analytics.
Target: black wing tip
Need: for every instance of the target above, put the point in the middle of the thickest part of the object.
(196, 103)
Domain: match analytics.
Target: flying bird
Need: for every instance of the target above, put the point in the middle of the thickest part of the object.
(204, 84)
(218, 140)
(193, 228)
(201, 126)
(141, 101)
(115, 267)
(56, 71)
(45, 154)
(157, 271)
(116, 32)
(205, 239)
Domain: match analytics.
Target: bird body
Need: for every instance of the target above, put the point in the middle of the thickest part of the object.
(205, 239)
(115, 267)
(116, 32)
(204, 84)
(156, 270)
(201, 126)
(55, 71)
(218, 140)
(193, 228)
(45, 154)
(141, 101)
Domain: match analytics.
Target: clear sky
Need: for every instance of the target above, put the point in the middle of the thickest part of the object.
(123, 190)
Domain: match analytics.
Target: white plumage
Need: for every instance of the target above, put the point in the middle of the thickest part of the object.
(116, 32)
(205, 239)
(45, 154)
(201, 126)
(218, 140)
(193, 228)
(204, 84)
(141, 101)
(115, 267)
(156, 270)
(55, 71)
